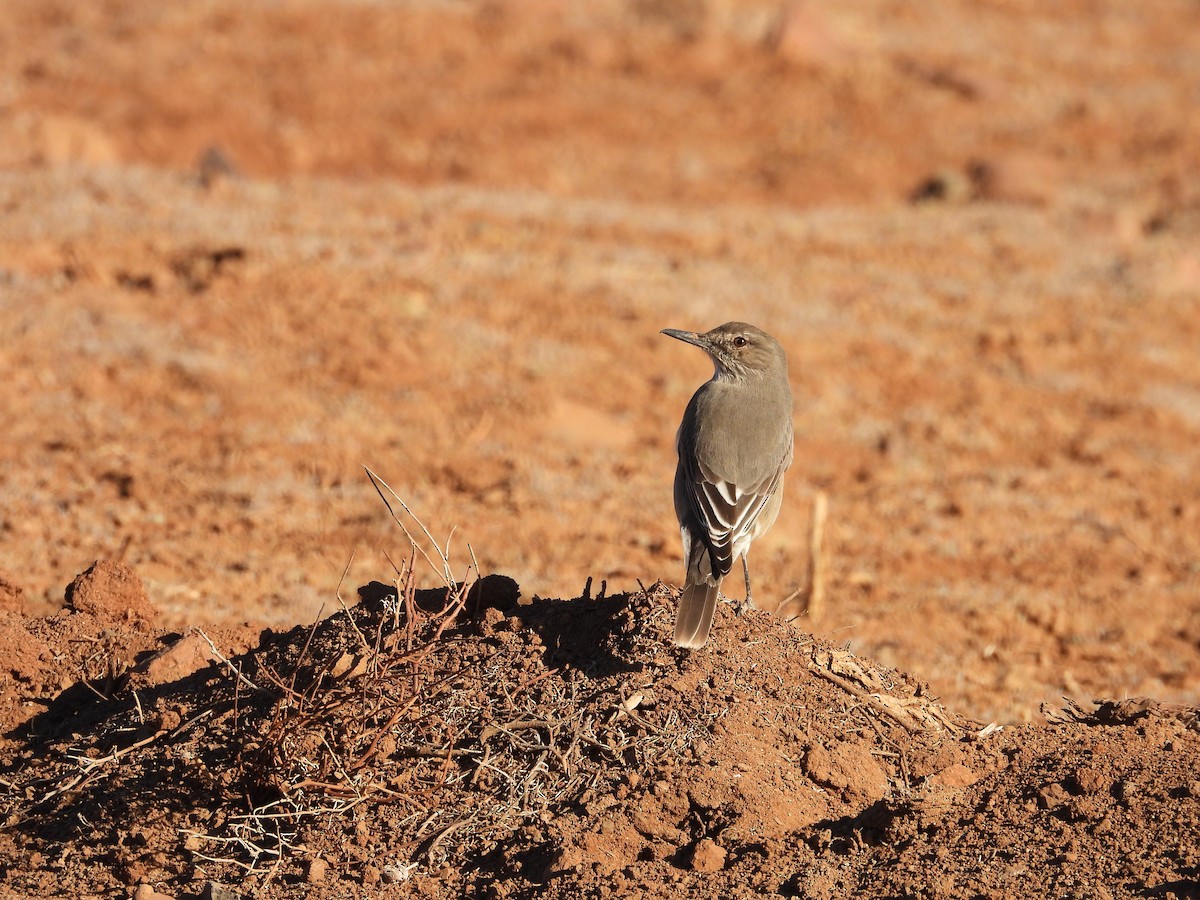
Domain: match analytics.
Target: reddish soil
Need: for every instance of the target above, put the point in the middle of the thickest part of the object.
(246, 250)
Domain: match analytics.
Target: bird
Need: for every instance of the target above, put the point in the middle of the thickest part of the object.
(734, 444)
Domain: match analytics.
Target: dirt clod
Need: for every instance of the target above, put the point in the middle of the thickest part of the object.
(708, 856)
(111, 591)
(182, 658)
(848, 768)
(317, 870)
(215, 891)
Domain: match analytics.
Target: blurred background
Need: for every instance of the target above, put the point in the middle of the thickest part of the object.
(246, 249)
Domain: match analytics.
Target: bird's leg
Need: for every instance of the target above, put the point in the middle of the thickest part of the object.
(748, 602)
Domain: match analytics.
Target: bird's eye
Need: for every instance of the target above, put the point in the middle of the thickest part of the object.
(740, 341)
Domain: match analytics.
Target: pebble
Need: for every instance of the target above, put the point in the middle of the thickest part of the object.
(316, 870)
(708, 856)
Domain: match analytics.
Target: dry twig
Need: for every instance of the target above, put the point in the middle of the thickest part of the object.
(809, 599)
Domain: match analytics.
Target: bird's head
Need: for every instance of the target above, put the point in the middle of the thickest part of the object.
(739, 351)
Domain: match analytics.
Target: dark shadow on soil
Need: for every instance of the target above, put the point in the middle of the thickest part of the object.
(193, 736)
(97, 779)
(847, 835)
(1188, 889)
(583, 634)
(139, 751)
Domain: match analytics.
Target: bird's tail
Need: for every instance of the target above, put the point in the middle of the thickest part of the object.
(697, 606)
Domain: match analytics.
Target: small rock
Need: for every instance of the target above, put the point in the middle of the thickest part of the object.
(568, 859)
(316, 870)
(849, 769)
(394, 874)
(186, 656)
(1052, 796)
(708, 856)
(350, 665)
(953, 776)
(214, 891)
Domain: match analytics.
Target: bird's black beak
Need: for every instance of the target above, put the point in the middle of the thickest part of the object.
(688, 337)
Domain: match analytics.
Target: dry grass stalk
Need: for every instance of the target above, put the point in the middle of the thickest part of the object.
(809, 599)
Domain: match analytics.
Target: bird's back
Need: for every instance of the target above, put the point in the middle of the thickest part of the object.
(760, 423)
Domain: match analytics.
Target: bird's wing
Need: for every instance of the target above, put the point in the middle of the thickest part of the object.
(727, 511)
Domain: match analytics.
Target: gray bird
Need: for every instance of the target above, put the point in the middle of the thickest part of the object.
(734, 444)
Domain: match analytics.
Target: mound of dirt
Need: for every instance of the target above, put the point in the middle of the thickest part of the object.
(456, 742)
(113, 590)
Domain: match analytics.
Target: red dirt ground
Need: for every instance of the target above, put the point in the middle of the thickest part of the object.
(247, 249)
